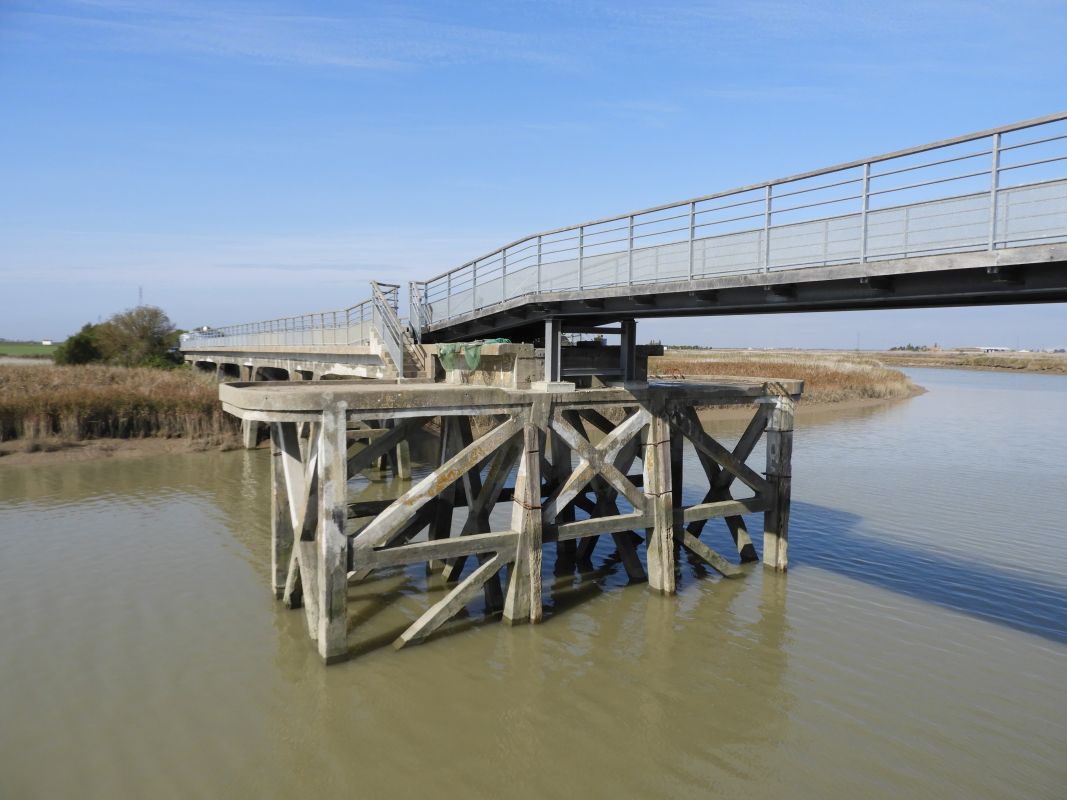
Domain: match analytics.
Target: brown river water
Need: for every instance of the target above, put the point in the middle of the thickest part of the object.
(916, 648)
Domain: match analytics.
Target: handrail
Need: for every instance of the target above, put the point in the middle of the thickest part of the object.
(695, 224)
(387, 322)
(301, 329)
(1016, 126)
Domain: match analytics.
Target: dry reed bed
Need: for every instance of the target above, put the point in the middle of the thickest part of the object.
(88, 402)
(827, 378)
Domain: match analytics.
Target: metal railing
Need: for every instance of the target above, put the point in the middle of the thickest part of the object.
(353, 326)
(387, 323)
(1003, 187)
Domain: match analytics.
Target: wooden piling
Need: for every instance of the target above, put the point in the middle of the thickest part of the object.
(779, 476)
(523, 601)
(659, 506)
(332, 543)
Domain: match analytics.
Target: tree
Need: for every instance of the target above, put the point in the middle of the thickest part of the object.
(81, 348)
(142, 336)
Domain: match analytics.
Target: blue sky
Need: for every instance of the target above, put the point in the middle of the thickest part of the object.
(247, 160)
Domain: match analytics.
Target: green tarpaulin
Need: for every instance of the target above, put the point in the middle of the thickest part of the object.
(472, 352)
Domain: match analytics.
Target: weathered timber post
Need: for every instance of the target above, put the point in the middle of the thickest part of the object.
(332, 549)
(779, 475)
(402, 460)
(281, 521)
(560, 461)
(444, 503)
(659, 504)
(523, 601)
(677, 484)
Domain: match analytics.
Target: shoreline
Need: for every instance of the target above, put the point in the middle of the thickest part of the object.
(52, 451)
(915, 364)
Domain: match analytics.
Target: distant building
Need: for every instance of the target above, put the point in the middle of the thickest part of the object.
(995, 349)
(46, 342)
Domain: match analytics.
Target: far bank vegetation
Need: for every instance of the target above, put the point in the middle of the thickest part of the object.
(827, 378)
(120, 379)
(93, 401)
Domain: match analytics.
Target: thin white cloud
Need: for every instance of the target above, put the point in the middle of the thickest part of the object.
(366, 41)
(348, 258)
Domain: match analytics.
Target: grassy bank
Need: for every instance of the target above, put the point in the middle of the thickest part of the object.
(827, 378)
(27, 349)
(1052, 363)
(92, 402)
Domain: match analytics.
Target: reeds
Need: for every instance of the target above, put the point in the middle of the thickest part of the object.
(827, 378)
(89, 402)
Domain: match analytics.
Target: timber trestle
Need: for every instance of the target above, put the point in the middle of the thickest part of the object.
(564, 462)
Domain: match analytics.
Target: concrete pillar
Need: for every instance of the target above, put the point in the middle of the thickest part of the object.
(249, 433)
(553, 342)
(628, 350)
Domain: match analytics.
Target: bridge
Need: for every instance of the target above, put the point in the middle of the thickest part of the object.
(971, 220)
(976, 219)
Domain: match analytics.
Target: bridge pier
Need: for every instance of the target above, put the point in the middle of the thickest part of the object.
(567, 457)
(553, 350)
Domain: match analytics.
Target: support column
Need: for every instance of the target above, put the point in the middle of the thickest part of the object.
(628, 350)
(332, 545)
(249, 434)
(659, 505)
(779, 475)
(281, 520)
(553, 341)
(523, 602)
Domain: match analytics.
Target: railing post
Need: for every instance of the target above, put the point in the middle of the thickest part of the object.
(581, 256)
(994, 184)
(865, 205)
(539, 264)
(474, 286)
(767, 230)
(630, 254)
(503, 275)
(692, 234)
(448, 295)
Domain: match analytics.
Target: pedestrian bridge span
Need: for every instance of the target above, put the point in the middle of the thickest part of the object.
(976, 219)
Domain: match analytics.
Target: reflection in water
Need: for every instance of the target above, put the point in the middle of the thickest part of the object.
(916, 648)
(829, 539)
